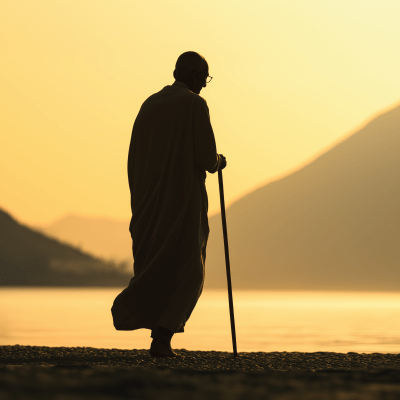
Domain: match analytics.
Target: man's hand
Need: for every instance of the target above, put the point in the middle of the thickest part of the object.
(223, 162)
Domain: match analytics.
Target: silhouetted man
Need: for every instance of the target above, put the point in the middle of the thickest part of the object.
(172, 147)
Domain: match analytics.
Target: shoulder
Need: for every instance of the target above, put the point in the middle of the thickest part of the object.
(198, 101)
(191, 99)
(173, 96)
(191, 96)
(182, 90)
(153, 97)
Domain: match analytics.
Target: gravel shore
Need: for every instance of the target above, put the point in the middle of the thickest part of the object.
(32, 372)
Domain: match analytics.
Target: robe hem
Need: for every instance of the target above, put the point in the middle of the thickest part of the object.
(134, 327)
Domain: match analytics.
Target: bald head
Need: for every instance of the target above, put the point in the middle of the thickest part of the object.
(191, 68)
(190, 61)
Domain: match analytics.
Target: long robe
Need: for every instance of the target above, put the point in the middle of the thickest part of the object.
(172, 147)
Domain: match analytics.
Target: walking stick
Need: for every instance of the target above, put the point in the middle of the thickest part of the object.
(228, 269)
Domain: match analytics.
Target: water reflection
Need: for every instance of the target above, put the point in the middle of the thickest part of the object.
(265, 321)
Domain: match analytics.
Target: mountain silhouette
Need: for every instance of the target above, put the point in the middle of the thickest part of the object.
(332, 225)
(107, 238)
(28, 257)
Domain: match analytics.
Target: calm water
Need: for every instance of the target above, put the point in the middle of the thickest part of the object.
(265, 321)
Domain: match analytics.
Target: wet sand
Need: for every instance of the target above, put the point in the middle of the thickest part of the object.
(31, 372)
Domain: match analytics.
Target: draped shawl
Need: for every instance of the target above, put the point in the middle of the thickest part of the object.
(172, 146)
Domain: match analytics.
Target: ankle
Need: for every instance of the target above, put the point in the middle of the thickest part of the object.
(161, 331)
(165, 332)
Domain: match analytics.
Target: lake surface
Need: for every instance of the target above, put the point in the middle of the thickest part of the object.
(265, 321)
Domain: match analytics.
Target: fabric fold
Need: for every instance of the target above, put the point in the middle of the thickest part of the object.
(172, 146)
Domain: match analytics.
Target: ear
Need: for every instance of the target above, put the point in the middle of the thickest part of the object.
(174, 74)
(195, 76)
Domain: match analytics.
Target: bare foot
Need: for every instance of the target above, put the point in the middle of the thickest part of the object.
(161, 347)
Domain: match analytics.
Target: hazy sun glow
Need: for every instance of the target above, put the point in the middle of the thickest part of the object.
(291, 78)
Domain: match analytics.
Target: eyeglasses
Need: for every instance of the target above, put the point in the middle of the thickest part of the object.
(208, 77)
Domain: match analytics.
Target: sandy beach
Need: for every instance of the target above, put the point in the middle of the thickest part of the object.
(32, 372)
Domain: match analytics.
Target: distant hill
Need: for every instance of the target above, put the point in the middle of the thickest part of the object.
(334, 224)
(104, 237)
(28, 257)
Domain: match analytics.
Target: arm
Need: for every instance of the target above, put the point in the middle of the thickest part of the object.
(205, 150)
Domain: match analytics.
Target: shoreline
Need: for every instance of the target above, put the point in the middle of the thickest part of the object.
(36, 372)
(201, 360)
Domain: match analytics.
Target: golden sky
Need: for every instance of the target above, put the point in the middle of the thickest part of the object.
(291, 79)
